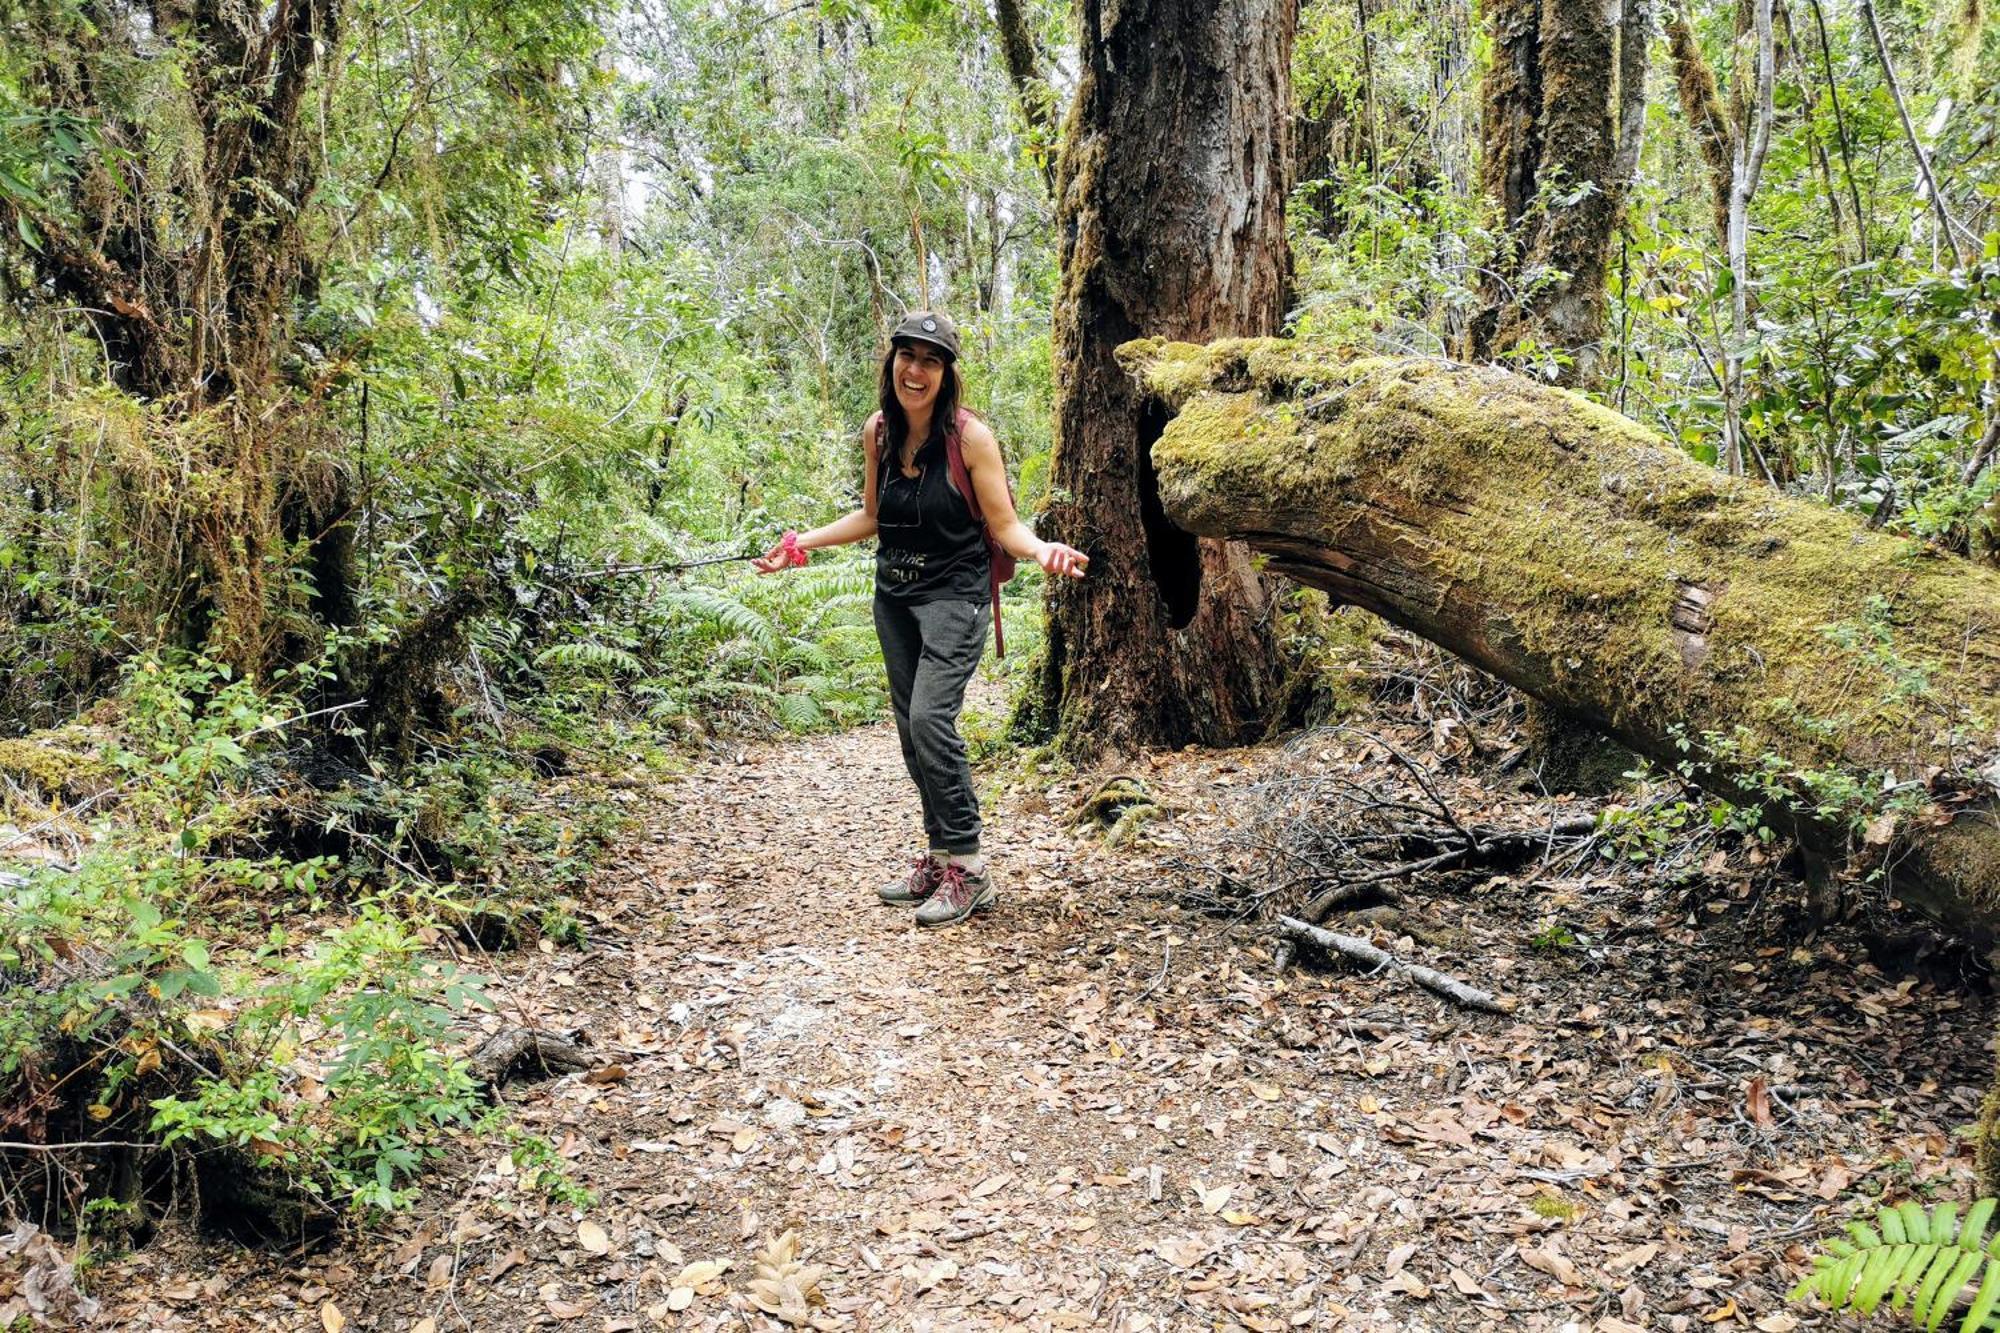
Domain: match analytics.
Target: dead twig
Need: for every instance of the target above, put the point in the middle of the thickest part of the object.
(1361, 951)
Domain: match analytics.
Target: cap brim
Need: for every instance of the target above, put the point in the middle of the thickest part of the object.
(941, 345)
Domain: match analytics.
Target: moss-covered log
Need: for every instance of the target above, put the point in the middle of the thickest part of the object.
(1845, 681)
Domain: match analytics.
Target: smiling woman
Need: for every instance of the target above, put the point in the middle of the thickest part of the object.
(933, 571)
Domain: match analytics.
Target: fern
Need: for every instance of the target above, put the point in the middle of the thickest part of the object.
(800, 712)
(590, 656)
(719, 608)
(1925, 1261)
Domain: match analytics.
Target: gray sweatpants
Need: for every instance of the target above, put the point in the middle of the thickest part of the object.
(931, 652)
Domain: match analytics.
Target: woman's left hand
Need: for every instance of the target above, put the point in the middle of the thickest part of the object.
(1057, 558)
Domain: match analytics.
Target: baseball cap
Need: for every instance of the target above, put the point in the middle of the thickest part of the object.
(928, 326)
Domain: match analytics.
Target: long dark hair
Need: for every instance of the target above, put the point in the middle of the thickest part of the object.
(896, 426)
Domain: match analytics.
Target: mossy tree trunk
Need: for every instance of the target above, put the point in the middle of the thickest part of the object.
(1031, 88)
(1171, 207)
(1845, 682)
(1563, 106)
(188, 284)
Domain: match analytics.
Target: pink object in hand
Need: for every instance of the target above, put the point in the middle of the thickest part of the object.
(792, 551)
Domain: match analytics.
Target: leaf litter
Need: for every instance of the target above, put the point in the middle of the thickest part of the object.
(1104, 1107)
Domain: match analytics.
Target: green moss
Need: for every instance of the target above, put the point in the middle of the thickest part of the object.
(56, 764)
(1567, 535)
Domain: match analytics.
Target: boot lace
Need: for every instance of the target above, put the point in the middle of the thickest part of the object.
(951, 886)
(924, 876)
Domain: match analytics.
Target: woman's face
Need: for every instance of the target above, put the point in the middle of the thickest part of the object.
(918, 369)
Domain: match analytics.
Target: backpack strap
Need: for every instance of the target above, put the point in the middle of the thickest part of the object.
(961, 479)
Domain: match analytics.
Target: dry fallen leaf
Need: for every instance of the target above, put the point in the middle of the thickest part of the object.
(593, 1238)
(680, 1298)
(990, 1185)
(1632, 1259)
(331, 1319)
(1555, 1263)
(704, 1276)
(505, 1263)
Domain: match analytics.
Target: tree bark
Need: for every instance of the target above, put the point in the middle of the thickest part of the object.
(1555, 164)
(1171, 207)
(1844, 682)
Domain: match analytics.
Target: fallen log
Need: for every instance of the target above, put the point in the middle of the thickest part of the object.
(526, 1053)
(1844, 682)
(1355, 949)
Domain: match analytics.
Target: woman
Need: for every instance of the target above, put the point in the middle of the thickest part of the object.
(931, 593)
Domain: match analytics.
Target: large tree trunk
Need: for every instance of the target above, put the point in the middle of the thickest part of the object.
(1171, 206)
(1845, 682)
(1555, 163)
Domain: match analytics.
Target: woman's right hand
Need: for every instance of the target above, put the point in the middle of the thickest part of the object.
(785, 554)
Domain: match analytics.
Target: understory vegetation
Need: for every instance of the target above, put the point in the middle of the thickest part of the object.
(382, 397)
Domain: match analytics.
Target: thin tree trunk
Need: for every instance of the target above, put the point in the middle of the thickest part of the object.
(1935, 196)
(1840, 129)
(1814, 147)
(1031, 89)
(1752, 143)
(1701, 103)
(1171, 207)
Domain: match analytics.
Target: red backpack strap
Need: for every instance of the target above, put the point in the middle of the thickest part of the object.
(954, 462)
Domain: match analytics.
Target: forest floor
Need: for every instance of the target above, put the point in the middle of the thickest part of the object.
(1097, 1108)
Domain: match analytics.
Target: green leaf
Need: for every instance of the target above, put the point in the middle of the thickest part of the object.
(1973, 1234)
(1984, 1300)
(1942, 1298)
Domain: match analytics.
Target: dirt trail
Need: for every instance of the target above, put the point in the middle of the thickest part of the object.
(1091, 1109)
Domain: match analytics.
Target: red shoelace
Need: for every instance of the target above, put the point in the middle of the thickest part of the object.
(924, 876)
(952, 886)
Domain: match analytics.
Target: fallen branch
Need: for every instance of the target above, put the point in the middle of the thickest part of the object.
(1361, 951)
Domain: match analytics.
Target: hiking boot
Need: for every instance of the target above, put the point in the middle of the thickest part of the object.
(957, 896)
(919, 884)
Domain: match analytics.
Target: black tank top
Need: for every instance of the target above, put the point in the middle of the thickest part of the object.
(929, 548)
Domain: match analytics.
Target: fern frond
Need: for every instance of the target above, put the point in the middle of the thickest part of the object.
(1922, 1260)
(591, 657)
(719, 608)
(800, 712)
